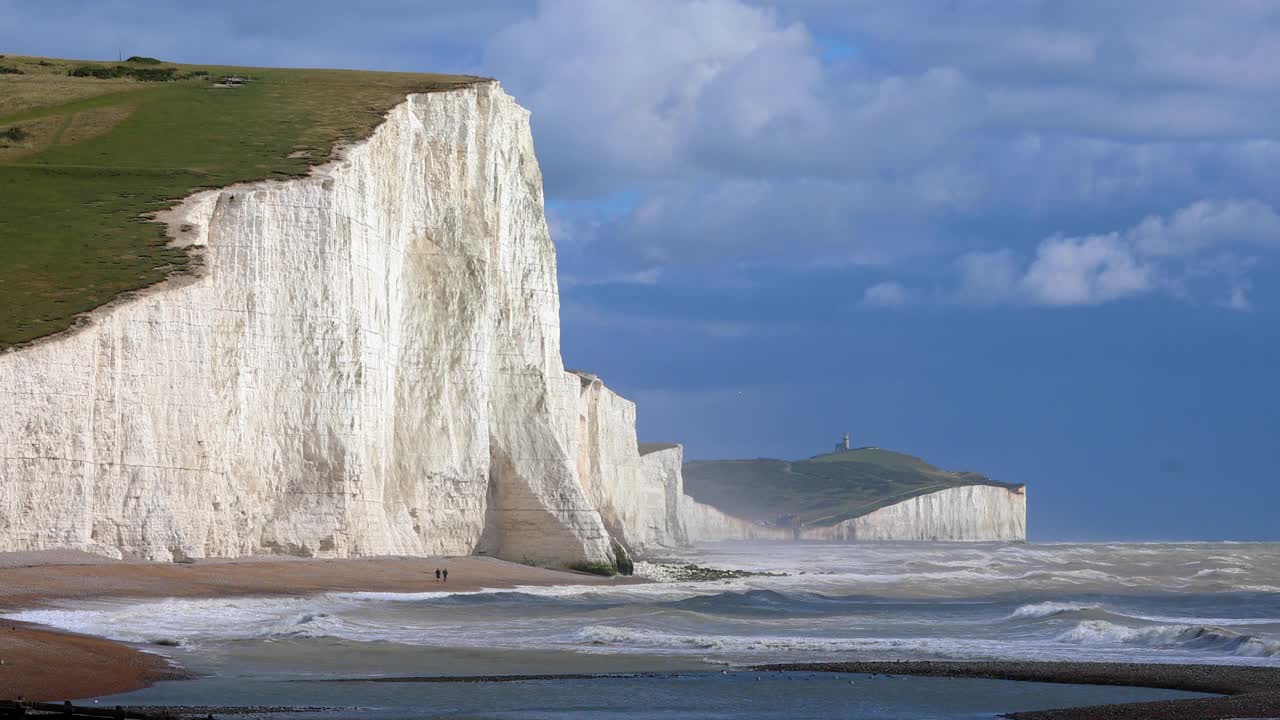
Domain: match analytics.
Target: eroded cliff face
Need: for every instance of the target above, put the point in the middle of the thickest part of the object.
(969, 513)
(636, 499)
(369, 364)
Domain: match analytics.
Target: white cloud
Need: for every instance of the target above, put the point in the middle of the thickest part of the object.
(738, 139)
(885, 295)
(1085, 271)
(1205, 223)
(1158, 254)
(616, 87)
(666, 89)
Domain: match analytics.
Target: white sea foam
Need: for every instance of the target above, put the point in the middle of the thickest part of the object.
(641, 639)
(1217, 572)
(1054, 609)
(1049, 609)
(1198, 637)
(1151, 603)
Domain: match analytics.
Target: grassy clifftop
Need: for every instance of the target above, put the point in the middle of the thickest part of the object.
(88, 149)
(823, 490)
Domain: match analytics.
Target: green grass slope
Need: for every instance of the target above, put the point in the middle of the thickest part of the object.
(89, 149)
(823, 490)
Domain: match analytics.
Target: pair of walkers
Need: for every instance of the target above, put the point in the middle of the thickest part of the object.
(442, 575)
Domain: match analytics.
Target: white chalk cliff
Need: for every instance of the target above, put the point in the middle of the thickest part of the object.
(959, 514)
(367, 363)
(985, 513)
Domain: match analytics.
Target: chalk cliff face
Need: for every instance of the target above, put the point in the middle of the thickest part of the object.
(985, 513)
(369, 363)
(968, 513)
(636, 500)
(705, 523)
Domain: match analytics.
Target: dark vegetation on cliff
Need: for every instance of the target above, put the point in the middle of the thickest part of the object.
(88, 149)
(823, 490)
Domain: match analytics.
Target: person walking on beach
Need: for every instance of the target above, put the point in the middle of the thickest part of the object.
(437, 574)
(446, 574)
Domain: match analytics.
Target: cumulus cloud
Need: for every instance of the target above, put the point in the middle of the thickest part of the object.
(669, 90)
(744, 140)
(1205, 223)
(1159, 253)
(616, 87)
(1085, 271)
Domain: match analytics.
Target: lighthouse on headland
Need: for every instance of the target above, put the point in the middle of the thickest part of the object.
(843, 445)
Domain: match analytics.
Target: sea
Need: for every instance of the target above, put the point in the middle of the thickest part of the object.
(683, 649)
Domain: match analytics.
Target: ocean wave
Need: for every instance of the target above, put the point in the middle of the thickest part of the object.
(754, 648)
(1196, 637)
(647, 639)
(1093, 611)
(1051, 609)
(1221, 571)
(764, 602)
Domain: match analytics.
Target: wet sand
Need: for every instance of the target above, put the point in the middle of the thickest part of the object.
(1249, 692)
(43, 665)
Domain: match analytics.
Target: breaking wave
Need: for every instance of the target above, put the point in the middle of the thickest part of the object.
(1195, 637)
(1052, 609)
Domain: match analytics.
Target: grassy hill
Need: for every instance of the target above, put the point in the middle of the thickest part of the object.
(88, 149)
(822, 490)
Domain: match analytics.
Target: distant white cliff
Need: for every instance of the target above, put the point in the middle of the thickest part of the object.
(699, 521)
(959, 514)
(982, 513)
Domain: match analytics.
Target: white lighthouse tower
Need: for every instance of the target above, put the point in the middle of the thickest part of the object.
(843, 445)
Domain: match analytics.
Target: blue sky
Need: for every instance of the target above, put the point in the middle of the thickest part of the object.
(1036, 239)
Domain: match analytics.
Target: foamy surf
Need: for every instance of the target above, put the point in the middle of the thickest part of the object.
(1194, 637)
(1149, 603)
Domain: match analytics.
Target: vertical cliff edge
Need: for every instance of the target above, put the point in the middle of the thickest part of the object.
(368, 363)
